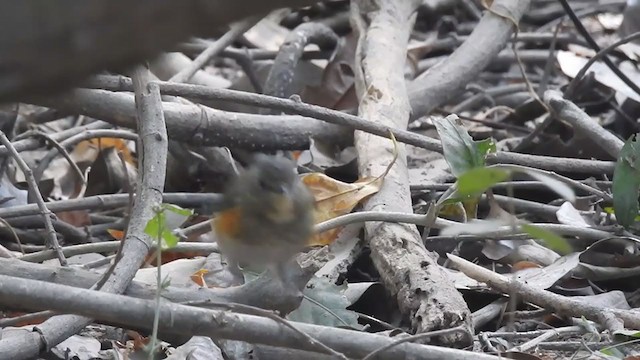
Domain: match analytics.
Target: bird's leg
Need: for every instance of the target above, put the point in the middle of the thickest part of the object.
(234, 268)
(279, 271)
(282, 273)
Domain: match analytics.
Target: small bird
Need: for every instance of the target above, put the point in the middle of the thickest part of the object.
(268, 217)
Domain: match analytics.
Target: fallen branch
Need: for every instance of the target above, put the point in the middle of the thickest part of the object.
(153, 140)
(221, 324)
(610, 318)
(423, 292)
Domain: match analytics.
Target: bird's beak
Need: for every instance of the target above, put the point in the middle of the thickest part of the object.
(285, 190)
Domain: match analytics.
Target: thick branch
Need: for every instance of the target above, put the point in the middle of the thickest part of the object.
(203, 125)
(266, 292)
(222, 324)
(434, 87)
(118, 83)
(409, 271)
(150, 184)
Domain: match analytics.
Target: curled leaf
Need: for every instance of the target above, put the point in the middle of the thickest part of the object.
(335, 198)
(461, 152)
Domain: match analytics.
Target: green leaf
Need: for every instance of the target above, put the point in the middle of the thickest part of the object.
(155, 225)
(321, 290)
(626, 182)
(611, 352)
(461, 152)
(168, 217)
(170, 239)
(485, 147)
(175, 215)
(478, 180)
(551, 240)
(626, 334)
(609, 210)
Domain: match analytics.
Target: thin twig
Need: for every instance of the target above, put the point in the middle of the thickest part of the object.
(52, 239)
(111, 201)
(15, 236)
(551, 60)
(109, 246)
(157, 297)
(237, 29)
(75, 139)
(583, 31)
(23, 143)
(603, 315)
(120, 83)
(570, 90)
(364, 216)
(567, 180)
(98, 263)
(329, 311)
(199, 228)
(64, 153)
(420, 336)
(532, 91)
(377, 321)
(418, 219)
(252, 310)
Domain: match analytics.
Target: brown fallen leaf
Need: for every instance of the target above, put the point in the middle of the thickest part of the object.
(105, 142)
(117, 234)
(521, 265)
(335, 198)
(198, 277)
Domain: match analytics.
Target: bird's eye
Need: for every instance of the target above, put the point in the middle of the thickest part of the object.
(264, 185)
(271, 186)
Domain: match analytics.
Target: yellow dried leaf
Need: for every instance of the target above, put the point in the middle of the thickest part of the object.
(198, 277)
(335, 198)
(94, 145)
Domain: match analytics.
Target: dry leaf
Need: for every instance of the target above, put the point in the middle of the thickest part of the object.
(198, 277)
(137, 342)
(117, 234)
(571, 63)
(105, 143)
(521, 265)
(336, 91)
(335, 198)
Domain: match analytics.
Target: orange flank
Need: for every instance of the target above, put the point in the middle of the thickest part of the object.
(227, 223)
